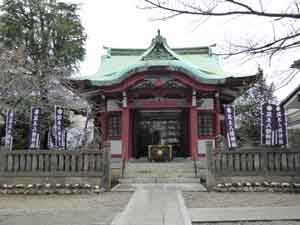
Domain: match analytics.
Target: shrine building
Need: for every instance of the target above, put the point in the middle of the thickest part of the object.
(160, 96)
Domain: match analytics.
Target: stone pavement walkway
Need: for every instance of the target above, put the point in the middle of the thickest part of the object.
(214, 215)
(157, 204)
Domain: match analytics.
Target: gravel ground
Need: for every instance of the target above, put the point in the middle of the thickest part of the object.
(259, 199)
(62, 209)
(101, 209)
(211, 200)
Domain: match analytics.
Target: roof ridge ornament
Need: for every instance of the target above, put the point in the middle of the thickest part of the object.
(159, 38)
(159, 49)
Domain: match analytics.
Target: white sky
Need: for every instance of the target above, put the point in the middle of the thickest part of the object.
(119, 23)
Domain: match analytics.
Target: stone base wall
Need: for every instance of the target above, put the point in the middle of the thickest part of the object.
(50, 180)
(47, 188)
(251, 179)
(202, 163)
(115, 174)
(265, 186)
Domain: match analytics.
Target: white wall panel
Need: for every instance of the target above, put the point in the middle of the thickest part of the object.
(206, 104)
(116, 147)
(113, 105)
(202, 145)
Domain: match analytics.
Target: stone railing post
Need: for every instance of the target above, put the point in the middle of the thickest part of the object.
(210, 178)
(2, 161)
(106, 167)
(264, 161)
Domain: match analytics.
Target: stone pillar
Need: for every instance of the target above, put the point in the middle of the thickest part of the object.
(106, 182)
(210, 178)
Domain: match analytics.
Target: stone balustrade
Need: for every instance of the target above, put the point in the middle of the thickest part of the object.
(251, 165)
(56, 167)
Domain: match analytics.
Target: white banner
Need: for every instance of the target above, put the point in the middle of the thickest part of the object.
(9, 126)
(230, 126)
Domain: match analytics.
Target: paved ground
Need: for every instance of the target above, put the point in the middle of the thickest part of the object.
(244, 214)
(221, 200)
(101, 209)
(249, 199)
(62, 209)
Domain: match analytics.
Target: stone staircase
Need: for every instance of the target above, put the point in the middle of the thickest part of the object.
(178, 174)
(176, 171)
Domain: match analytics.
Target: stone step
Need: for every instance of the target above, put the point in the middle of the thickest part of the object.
(160, 170)
(190, 187)
(160, 166)
(173, 171)
(154, 175)
(168, 164)
(140, 180)
(148, 170)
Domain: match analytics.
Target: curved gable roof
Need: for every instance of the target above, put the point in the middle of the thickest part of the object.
(198, 63)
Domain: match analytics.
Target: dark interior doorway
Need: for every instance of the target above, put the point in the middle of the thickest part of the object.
(153, 127)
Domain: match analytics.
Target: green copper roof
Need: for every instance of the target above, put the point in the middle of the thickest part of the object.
(119, 64)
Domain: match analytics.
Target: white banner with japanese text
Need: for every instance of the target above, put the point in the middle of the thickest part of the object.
(273, 125)
(230, 126)
(9, 127)
(34, 137)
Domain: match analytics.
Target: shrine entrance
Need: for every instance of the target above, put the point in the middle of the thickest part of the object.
(160, 127)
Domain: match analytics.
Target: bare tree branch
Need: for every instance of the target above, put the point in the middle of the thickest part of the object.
(223, 8)
(290, 78)
(159, 4)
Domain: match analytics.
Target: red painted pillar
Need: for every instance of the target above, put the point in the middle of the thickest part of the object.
(217, 115)
(125, 133)
(130, 133)
(193, 128)
(193, 133)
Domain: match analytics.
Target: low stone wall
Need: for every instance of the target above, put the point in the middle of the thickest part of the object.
(264, 186)
(252, 179)
(47, 188)
(116, 170)
(15, 180)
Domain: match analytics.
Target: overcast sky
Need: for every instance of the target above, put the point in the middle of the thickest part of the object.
(119, 23)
